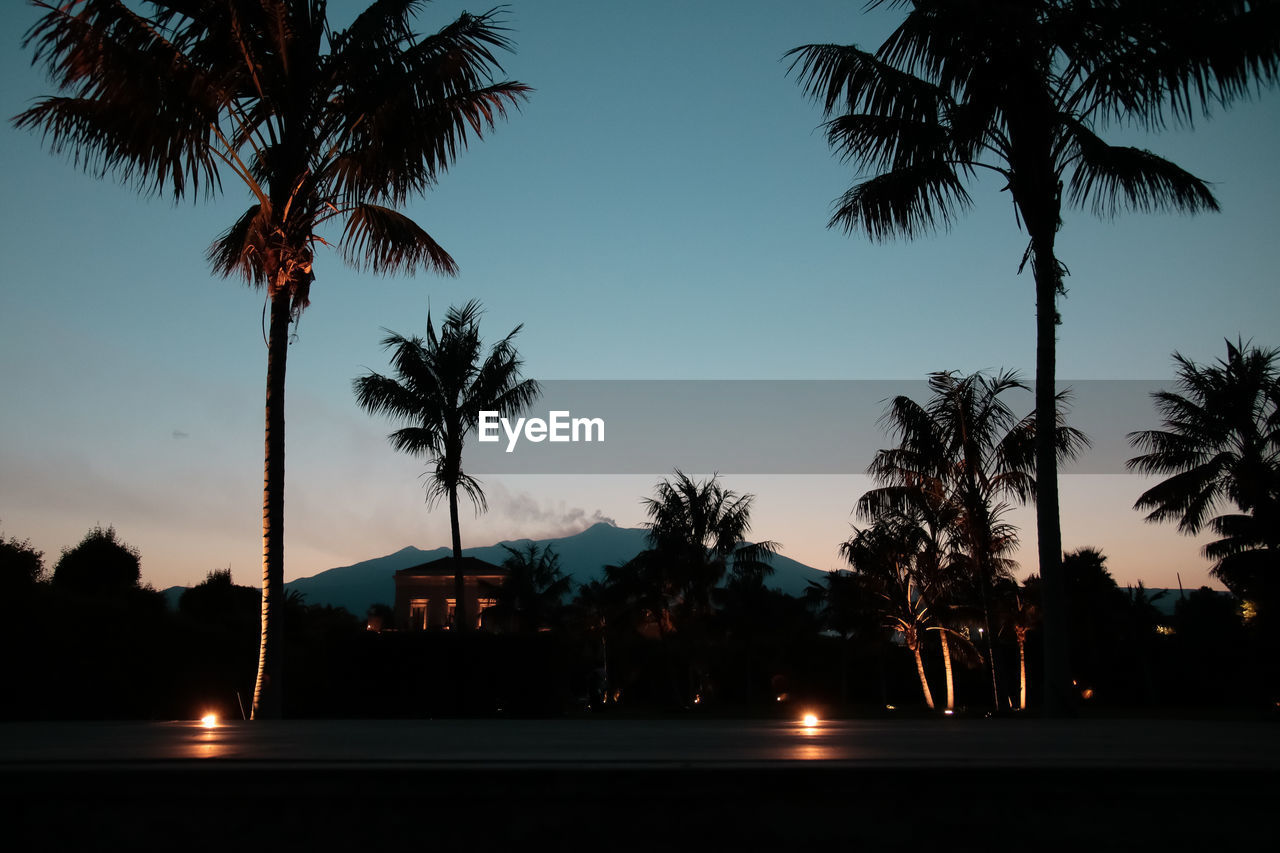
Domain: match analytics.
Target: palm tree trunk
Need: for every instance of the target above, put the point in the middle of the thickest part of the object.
(946, 666)
(1022, 665)
(459, 585)
(1057, 693)
(267, 691)
(924, 682)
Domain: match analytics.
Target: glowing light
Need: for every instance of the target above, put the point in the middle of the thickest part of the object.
(948, 712)
(890, 708)
(810, 720)
(1087, 693)
(209, 721)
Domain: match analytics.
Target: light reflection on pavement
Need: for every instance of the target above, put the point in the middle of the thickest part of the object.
(700, 742)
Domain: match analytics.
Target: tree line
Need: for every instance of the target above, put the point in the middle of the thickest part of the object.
(690, 621)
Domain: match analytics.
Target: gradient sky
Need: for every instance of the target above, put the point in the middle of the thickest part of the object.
(656, 211)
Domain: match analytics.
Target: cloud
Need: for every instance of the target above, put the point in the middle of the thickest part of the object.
(177, 433)
(540, 519)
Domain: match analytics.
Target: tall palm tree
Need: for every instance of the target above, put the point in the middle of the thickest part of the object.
(442, 385)
(1019, 88)
(324, 128)
(1220, 447)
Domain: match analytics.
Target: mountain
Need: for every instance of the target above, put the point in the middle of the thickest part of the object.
(583, 557)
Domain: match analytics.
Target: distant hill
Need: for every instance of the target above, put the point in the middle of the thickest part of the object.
(583, 557)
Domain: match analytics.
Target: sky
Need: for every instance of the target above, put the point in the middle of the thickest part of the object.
(657, 210)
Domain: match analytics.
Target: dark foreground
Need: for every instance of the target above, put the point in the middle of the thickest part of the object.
(641, 784)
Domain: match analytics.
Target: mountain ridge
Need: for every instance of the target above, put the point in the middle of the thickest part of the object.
(583, 557)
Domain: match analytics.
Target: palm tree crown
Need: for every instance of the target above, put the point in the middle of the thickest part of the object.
(697, 533)
(322, 127)
(1221, 446)
(442, 385)
(319, 125)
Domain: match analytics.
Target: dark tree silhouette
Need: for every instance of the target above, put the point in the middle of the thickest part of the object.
(697, 534)
(892, 555)
(441, 386)
(21, 565)
(1019, 88)
(962, 458)
(321, 126)
(532, 595)
(100, 564)
(1220, 448)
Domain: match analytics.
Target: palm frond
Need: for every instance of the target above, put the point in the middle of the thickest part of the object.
(904, 202)
(1111, 177)
(383, 241)
(850, 80)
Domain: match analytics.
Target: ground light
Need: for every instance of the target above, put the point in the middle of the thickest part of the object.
(209, 721)
(809, 720)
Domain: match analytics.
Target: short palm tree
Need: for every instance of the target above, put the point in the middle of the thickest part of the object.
(532, 596)
(1019, 88)
(1220, 447)
(697, 533)
(888, 556)
(324, 128)
(442, 384)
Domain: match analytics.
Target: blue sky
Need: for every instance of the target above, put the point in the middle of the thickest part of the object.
(656, 211)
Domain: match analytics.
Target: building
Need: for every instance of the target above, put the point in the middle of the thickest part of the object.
(426, 595)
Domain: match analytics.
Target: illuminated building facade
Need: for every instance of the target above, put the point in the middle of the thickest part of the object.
(426, 594)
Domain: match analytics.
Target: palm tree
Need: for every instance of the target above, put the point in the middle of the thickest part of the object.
(323, 127)
(697, 533)
(887, 555)
(1220, 447)
(1018, 87)
(1017, 611)
(532, 595)
(960, 460)
(443, 385)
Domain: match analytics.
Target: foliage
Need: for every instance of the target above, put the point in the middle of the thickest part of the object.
(1219, 448)
(697, 534)
(21, 565)
(532, 595)
(100, 564)
(961, 459)
(441, 386)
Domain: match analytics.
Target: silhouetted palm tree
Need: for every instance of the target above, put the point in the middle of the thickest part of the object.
(888, 555)
(321, 126)
(961, 458)
(697, 533)
(441, 386)
(1018, 88)
(846, 602)
(1017, 611)
(533, 593)
(1220, 446)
